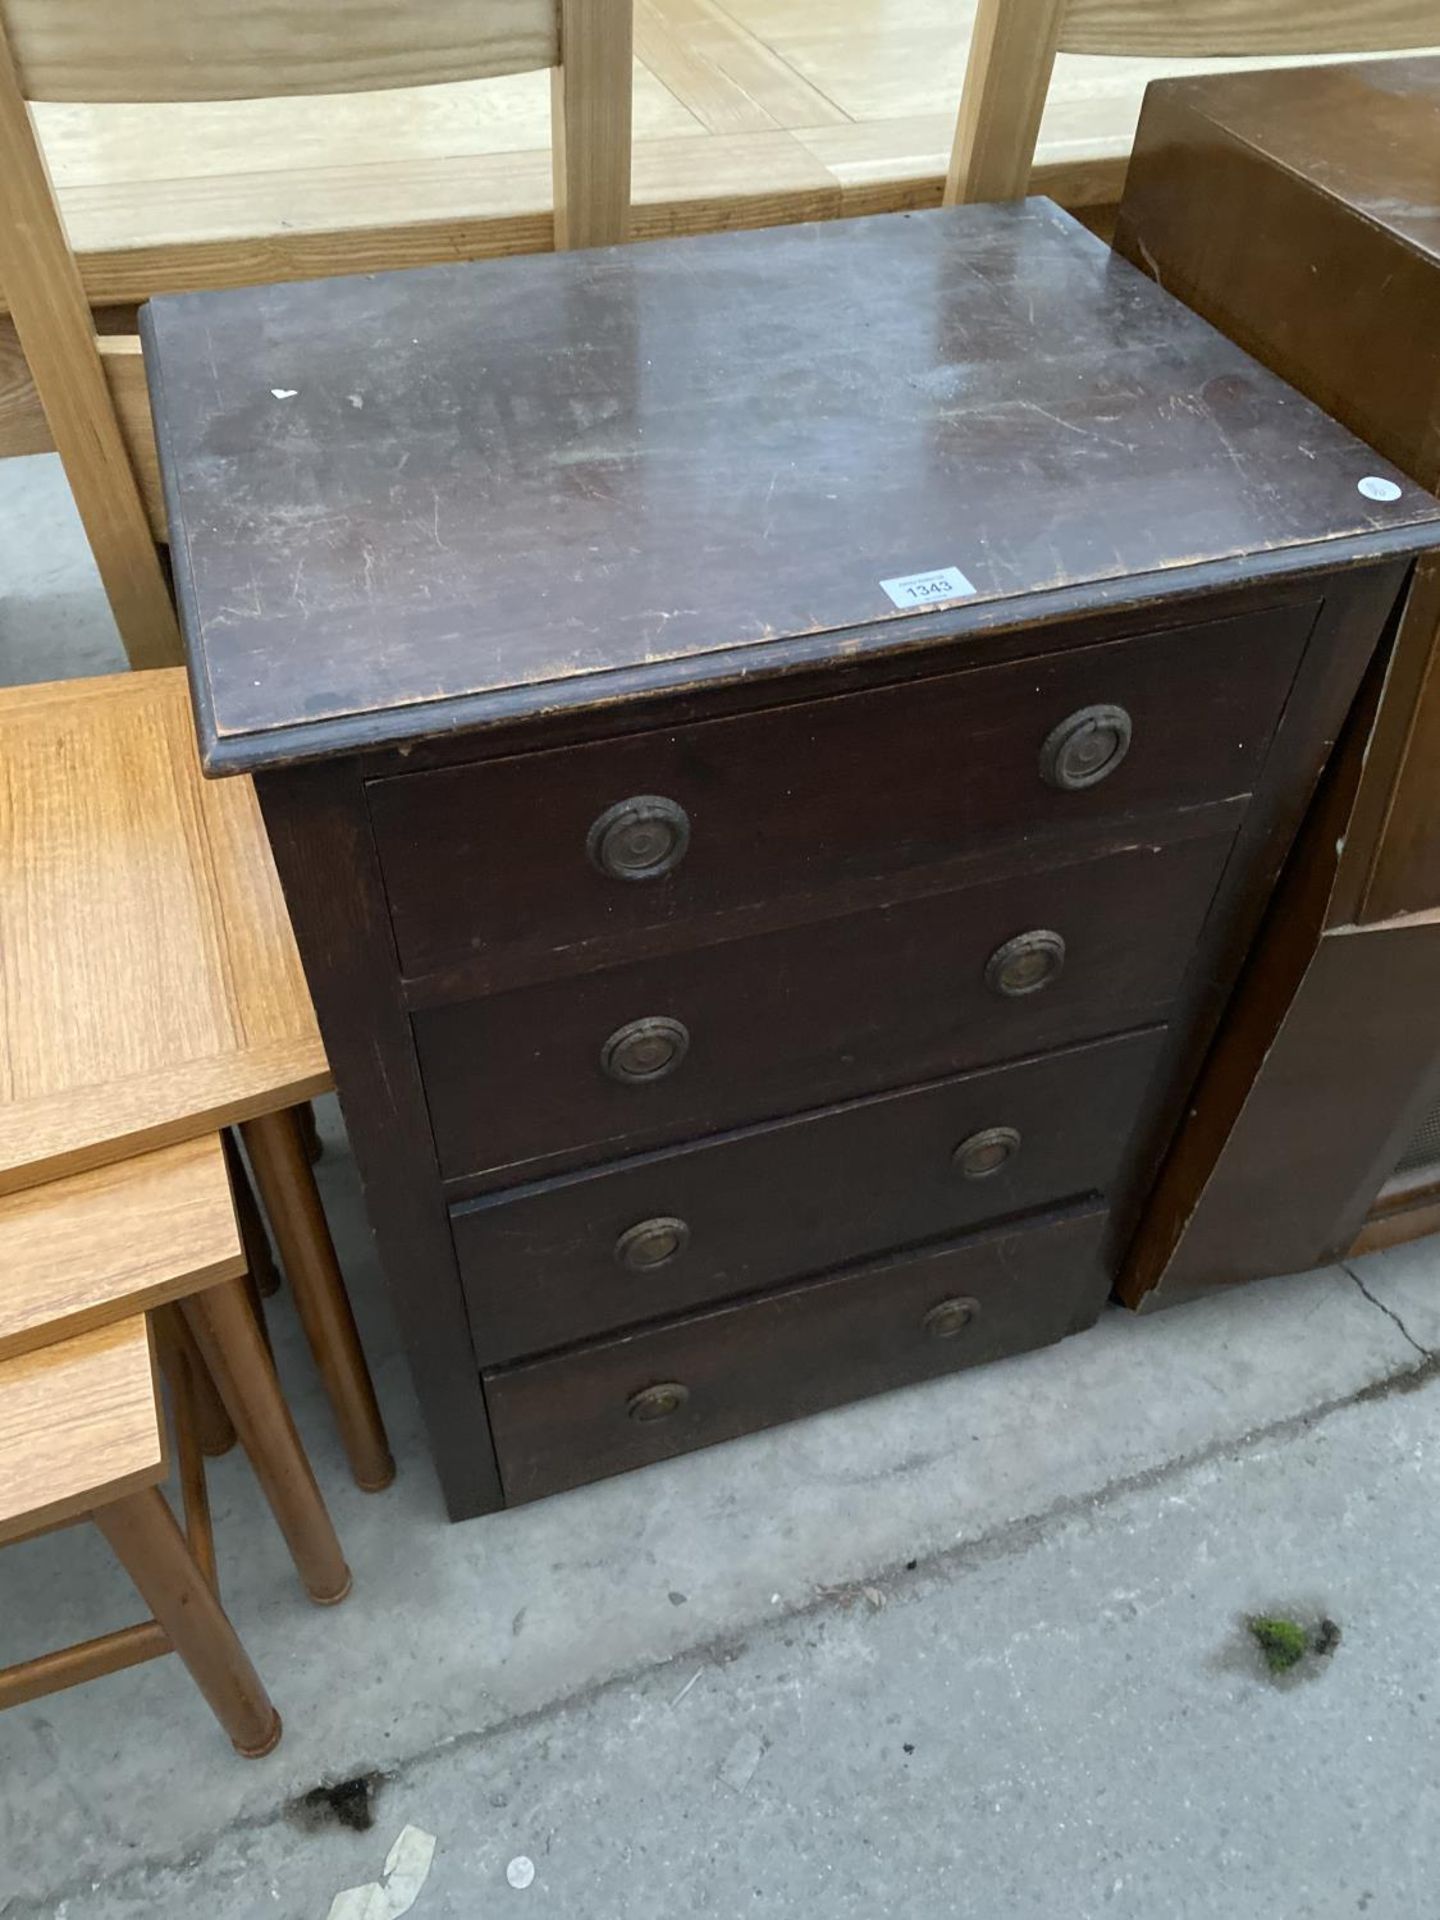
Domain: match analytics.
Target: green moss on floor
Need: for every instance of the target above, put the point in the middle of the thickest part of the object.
(1284, 1643)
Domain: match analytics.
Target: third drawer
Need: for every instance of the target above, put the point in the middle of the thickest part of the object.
(534, 1081)
(565, 1260)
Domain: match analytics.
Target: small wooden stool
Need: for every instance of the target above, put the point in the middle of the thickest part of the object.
(81, 1437)
(158, 1233)
(153, 984)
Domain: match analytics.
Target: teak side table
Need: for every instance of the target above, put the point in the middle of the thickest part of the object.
(776, 746)
(1300, 212)
(152, 988)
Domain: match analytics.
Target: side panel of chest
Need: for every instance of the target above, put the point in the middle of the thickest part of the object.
(1153, 893)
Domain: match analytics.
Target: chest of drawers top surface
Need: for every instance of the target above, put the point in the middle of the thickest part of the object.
(409, 503)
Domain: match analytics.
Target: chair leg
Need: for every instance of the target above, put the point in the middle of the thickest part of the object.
(185, 1369)
(307, 1253)
(148, 1543)
(258, 1258)
(309, 1131)
(225, 1331)
(213, 1429)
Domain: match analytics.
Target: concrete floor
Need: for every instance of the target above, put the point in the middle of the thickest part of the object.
(976, 1649)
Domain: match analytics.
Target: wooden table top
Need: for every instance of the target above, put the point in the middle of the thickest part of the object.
(79, 1424)
(114, 1241)
(151, 987)
(413, 501)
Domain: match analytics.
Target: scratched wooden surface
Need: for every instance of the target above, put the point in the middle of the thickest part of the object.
(1366, 134)
(516, 482)
(1341, 206)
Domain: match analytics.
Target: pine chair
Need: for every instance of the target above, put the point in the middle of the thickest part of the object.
(97, 51)
(1014, 44)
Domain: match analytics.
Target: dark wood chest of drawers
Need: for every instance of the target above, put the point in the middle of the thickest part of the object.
(776, 746)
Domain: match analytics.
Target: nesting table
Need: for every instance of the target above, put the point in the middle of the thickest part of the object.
(776, 746)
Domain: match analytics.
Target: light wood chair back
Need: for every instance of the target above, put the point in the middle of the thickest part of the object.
(1014, 44)
(93, 393)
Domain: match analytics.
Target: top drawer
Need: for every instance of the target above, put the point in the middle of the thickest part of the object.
(549, 850)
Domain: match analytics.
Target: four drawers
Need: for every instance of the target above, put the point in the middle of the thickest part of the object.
(772, 1025)
(568, 1259)
(546, 851)
(646, 1396)
(785, 1022)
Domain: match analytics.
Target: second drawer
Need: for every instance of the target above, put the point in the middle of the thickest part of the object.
(630, 1058)
(567, 1259)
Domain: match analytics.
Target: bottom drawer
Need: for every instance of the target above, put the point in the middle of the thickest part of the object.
(622, 1403)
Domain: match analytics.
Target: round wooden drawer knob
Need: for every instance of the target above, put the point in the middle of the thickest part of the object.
(639, 839)
(652, 1243)
(657, 1403)
(645, 1050)
(1086, 748)
(986, 1152)
(1026, 963)
(950, 1317)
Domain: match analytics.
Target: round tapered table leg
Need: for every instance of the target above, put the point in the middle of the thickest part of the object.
(307, 1253)
(150, 1546)
(225, 1331)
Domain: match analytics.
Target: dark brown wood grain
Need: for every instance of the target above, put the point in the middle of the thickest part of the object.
(1317, 713)
(803, 799)
(1349, 1030)
(509, 486)
(319, 832)
(1338, 169)
(830, 1010)
(564, 1420)
(1299, 209)
(543, 1266)
(503, 549)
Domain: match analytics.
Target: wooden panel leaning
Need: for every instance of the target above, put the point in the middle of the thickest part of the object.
(1296, 1136)
(156, 991)
(81, 1437)
(1014, 44)
(141, 50)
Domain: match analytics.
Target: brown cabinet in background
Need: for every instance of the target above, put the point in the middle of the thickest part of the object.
(776, 746)
(1299, 210)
